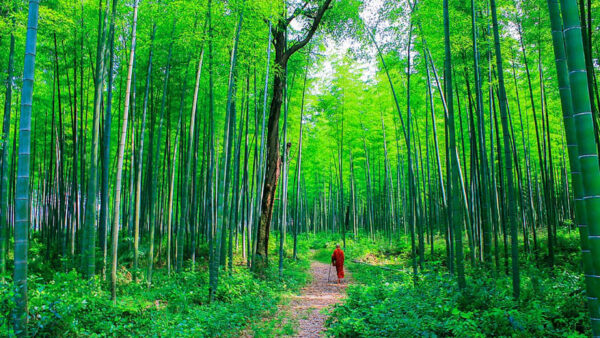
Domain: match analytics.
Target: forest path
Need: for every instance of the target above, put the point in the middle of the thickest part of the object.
(306, 308)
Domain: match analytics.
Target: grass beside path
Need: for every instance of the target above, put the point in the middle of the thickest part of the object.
(384, 303)
(63, 304)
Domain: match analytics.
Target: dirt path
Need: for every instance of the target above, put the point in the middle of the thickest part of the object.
(306, 308)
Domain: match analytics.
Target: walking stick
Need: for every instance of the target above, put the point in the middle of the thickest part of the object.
(328, 275)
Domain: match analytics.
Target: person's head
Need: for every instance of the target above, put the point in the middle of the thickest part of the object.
(337, 246)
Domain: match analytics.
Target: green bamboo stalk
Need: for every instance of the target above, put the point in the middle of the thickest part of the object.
(105, 188)
(154, 206)
(4, 158)
(484, 193)
(172, 169)
(120, 155)
(140, 155)
(213, 263)
(89, 236)
(299, 160)
(503, 102)
(187, 190)
(234, 219)
(586, 146)
(22, 200)
(228, 137)
(453, 209)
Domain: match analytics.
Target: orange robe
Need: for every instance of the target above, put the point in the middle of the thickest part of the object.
(337, 259)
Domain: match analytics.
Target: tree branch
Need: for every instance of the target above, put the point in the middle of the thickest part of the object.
(297, 12)
(311, 32)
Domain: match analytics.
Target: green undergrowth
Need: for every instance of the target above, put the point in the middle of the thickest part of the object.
(175, 305)
(386, 303)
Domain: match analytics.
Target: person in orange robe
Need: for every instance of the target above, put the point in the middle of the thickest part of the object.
(337, 260)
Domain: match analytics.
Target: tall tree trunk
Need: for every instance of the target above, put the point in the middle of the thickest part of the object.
(273, 159)
(261, 158)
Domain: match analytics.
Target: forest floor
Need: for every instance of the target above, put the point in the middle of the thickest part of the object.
(307, 308)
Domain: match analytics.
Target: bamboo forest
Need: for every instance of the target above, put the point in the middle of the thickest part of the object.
(300, 168)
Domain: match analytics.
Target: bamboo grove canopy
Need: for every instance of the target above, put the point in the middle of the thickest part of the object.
(183, 133)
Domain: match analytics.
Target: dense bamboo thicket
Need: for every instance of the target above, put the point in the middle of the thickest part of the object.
(164, 137)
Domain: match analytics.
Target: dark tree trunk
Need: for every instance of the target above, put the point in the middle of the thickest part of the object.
(273, 158)
(282, 55)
